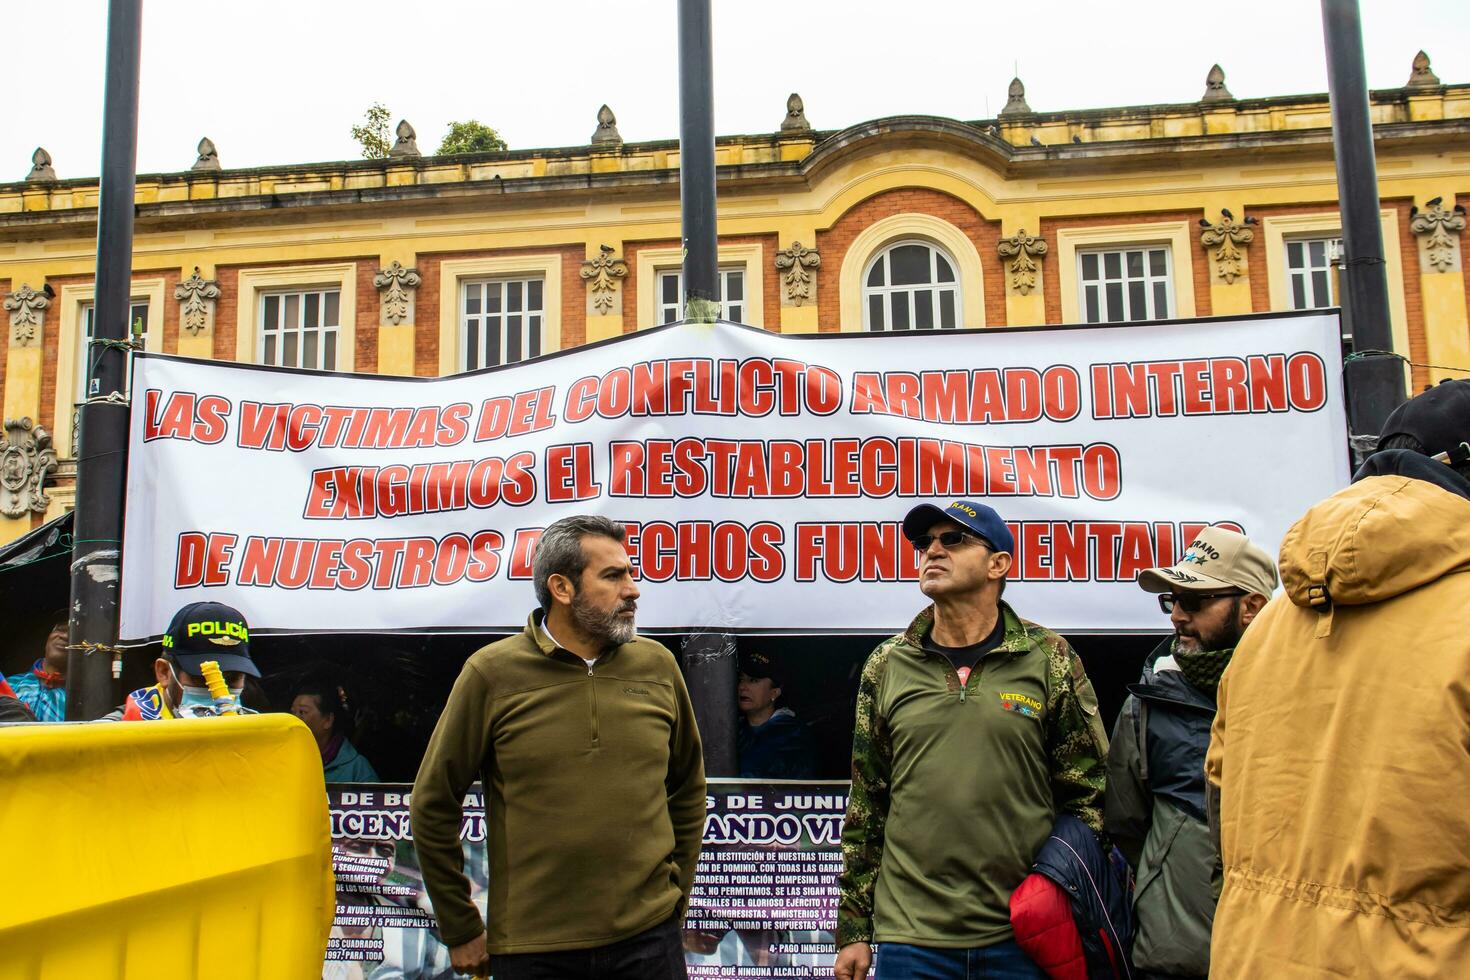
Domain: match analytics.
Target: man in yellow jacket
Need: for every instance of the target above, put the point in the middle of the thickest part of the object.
(1340, 756)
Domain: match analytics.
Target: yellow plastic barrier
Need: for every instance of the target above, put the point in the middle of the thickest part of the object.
(196, 848)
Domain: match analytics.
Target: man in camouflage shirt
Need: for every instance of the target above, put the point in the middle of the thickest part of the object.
(974, 730)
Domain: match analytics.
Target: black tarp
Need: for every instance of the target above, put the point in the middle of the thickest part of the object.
(35, 581)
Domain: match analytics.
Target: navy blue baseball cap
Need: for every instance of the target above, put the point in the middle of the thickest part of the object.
(204, 631)
(978, 517)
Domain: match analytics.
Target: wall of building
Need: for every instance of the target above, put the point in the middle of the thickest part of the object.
(1136, 176)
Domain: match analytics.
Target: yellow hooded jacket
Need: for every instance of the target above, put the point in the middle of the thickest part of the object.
(1341, 750)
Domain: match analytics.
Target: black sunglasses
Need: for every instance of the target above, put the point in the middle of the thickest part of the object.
(1192, 602)
(949, 539)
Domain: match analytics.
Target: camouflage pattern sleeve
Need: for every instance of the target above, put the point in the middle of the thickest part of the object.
(867, 808)
(1077, 741)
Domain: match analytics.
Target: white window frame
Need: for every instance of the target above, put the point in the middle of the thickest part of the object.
(1277, 230)
(934, 285)
(668, 313)
(481, 326)
(86, 312)
(71, 351)
(1150, 280)
(301, 328)
(1332, 249)
(454, 272)
(1178, 235)
(255, 284)
(896, 227)
(650, 262)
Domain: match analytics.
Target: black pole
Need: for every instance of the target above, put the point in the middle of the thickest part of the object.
(697, 162)
(1375, 384)
(103, 431)
(709, 657)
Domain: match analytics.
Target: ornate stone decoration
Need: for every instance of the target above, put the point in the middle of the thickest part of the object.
(208, 156)
(26, 459)
(27, 308)
(198, 295)
(395, 283)
(1215, 90)
(407, 144)
(795, 120)
(1023, 250)
(41, 169)
(1016, 100)
(1442, 229)
(796, 263)
(602, 273)
(607, 129)
(1225, 238)
(1422, 76)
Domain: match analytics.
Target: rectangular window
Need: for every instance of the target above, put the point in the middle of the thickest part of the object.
(732, 294)
(299, 329)
(503, 321)
(1310, 273)
(1120, 285)
(137, 330)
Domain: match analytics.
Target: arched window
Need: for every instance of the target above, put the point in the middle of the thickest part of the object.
(911, 286)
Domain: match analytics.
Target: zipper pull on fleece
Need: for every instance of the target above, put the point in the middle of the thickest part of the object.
(962, 694)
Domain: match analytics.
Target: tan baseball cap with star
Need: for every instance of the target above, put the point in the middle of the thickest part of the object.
(1218, 559)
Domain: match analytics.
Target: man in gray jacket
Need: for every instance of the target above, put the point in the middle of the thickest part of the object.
(1155, 805)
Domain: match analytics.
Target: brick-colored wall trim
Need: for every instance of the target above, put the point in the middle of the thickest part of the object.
(835, 242)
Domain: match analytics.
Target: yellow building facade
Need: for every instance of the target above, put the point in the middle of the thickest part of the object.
(421, 265)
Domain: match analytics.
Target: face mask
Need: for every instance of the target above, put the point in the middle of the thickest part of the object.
(199, 697)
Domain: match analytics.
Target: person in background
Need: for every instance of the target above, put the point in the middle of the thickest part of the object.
(199, 632)
(1155, 805)
(13, 708)
(322, 705)
(1339, 761)
(43, 687)
(772, 742)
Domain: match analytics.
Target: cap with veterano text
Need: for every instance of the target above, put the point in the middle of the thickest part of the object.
(1217, 559)
(978, 517)
(204, 631)
(759, 665)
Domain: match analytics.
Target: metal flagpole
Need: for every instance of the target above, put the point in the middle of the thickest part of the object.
(1375, 384)
(103, 431)
(709, 657)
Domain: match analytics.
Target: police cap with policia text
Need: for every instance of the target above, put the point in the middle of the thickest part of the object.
(204, 631)
(1217, 559)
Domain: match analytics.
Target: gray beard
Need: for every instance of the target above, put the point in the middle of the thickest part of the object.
(606, 628)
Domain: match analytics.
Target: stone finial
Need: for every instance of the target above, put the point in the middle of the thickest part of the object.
(26, 459)
(41, 169)
(1224, 239)
(394, 283)
(1440, 229)
(1016, 100)
(197, 294)
(607, 129)
(1422, 76)
(208, 156)
(1023, 250)
(795, 264)
(1215, 90)
(795, 115)
(407, 144)
(27, 308)
(601, 273)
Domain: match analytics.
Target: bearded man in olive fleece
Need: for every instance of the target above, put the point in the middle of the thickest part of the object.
(584, 737)
(975, 728)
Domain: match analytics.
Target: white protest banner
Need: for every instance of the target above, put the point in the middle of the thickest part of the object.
(762, 477)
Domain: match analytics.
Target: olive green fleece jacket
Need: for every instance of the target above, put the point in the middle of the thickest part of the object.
(594, 794)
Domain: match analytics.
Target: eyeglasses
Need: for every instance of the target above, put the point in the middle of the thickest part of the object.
(1192, 602)
(949, 539)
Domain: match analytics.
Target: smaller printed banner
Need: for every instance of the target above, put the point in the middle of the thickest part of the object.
(764, 901)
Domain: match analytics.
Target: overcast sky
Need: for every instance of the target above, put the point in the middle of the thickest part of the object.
(282, 81)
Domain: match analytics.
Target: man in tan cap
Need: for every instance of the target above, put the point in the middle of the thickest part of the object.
(1155, 803)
